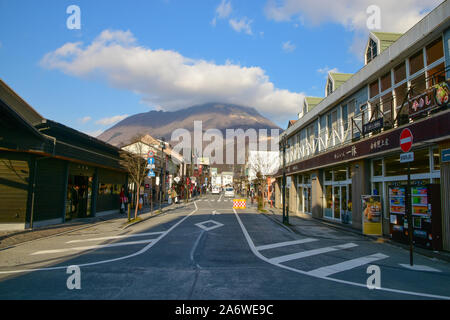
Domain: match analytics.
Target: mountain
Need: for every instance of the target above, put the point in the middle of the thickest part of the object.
(162, 123)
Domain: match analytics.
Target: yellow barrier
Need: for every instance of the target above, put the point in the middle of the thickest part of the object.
(239, 203)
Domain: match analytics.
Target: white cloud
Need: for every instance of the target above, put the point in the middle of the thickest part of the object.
(325, 71)
(241, 25)
(167, 79)
(396, 16)
(223, 11)
(111, 120)
(288, 46)
(85, 119)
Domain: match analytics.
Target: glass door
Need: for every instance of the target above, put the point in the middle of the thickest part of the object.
(300, 199)
(344, 204)
(337, 202)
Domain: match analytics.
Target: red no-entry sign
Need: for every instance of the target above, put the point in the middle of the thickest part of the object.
(406, 140)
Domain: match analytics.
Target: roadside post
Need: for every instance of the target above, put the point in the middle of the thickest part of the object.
(406, 140)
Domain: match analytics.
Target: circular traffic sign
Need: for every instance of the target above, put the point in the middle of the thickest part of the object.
(406, 140)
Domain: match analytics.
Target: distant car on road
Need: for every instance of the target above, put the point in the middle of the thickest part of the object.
(215, 190)
(229, 192)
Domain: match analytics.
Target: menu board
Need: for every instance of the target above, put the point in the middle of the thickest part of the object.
(397, 200)
(419, 201)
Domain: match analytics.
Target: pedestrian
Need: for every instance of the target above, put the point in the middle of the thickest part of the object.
(123, 201)
(174, 196)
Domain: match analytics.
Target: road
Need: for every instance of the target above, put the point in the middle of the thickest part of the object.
(208, 250)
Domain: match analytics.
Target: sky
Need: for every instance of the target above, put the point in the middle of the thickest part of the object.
(134, 56)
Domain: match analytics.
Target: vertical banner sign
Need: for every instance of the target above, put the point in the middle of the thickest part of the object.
(371, 208)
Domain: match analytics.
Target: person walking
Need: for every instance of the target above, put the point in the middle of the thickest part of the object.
(174, 196)
(123, 201)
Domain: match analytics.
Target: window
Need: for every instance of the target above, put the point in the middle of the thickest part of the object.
(378, 167)
(435, 51)
(400, 94)
(371, 51)
(386, 82)
(328, 175)
(416, 62)
(436, 159)
(340, 174)
(345, 117)
(329, 86)
(400, 73)
(387, 101)
(418, 85)
(421, 164)
(374, 89)
(436, 75)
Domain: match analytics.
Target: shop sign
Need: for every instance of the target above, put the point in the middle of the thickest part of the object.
(372, 126)
(406, 157)
(436, 96)
(378, 144)
(371, 208)
(445, 155)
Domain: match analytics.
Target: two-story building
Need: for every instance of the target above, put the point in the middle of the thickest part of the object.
(347, 144)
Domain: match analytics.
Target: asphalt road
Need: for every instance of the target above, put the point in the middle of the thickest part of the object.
(207, 250)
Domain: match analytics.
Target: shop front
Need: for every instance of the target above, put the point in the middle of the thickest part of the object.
(389, 179)
(338, 194)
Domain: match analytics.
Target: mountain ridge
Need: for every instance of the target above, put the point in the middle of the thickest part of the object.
(214, 115)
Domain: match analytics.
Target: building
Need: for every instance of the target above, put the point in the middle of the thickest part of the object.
(50, 173)
(348, 144)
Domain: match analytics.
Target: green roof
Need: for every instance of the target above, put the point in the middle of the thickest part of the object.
(386, 38)
(312, 102)
(339, 78)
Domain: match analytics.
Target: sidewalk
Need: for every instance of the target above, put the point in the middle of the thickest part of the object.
(12, 238)
(313, 227)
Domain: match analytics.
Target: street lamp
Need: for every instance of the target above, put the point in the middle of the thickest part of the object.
(163, 168)
(284, 145)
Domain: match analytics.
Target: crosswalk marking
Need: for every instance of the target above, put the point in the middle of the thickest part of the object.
(346, 265)
(117, 237)
(286, 243)
(118, 244)
(309, 253)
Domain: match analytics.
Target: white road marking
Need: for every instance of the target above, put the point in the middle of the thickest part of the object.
(99, 246)
(220, 197)
(347, 265)
(362, 285)
(313, 252)
(215, 212)
(117, 237)
(137, 253)
(282, 244)
(202, 225)
(418, 267)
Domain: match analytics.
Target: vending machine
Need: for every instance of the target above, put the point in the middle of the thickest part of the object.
(426, 215)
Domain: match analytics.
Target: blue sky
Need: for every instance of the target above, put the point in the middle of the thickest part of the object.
(134, 56)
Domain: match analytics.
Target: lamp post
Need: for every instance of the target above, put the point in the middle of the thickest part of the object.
(284, 145)
(163, 169)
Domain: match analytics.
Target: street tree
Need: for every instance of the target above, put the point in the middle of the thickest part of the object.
(134, 161)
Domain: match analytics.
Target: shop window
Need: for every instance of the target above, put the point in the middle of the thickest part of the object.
(329, 201)
(374, 89)
(400, 72)
(340, 174)
(385, 82)
(421, 164)
(307, 179)
(328, 175)
(436, 159)
(377, 167)
(435, 51)
(418, 85)
(416, 62)
(436, 75)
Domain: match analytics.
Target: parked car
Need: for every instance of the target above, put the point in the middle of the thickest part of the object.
(229, 192)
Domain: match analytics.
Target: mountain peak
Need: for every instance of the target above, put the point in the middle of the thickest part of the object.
(214, 115)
